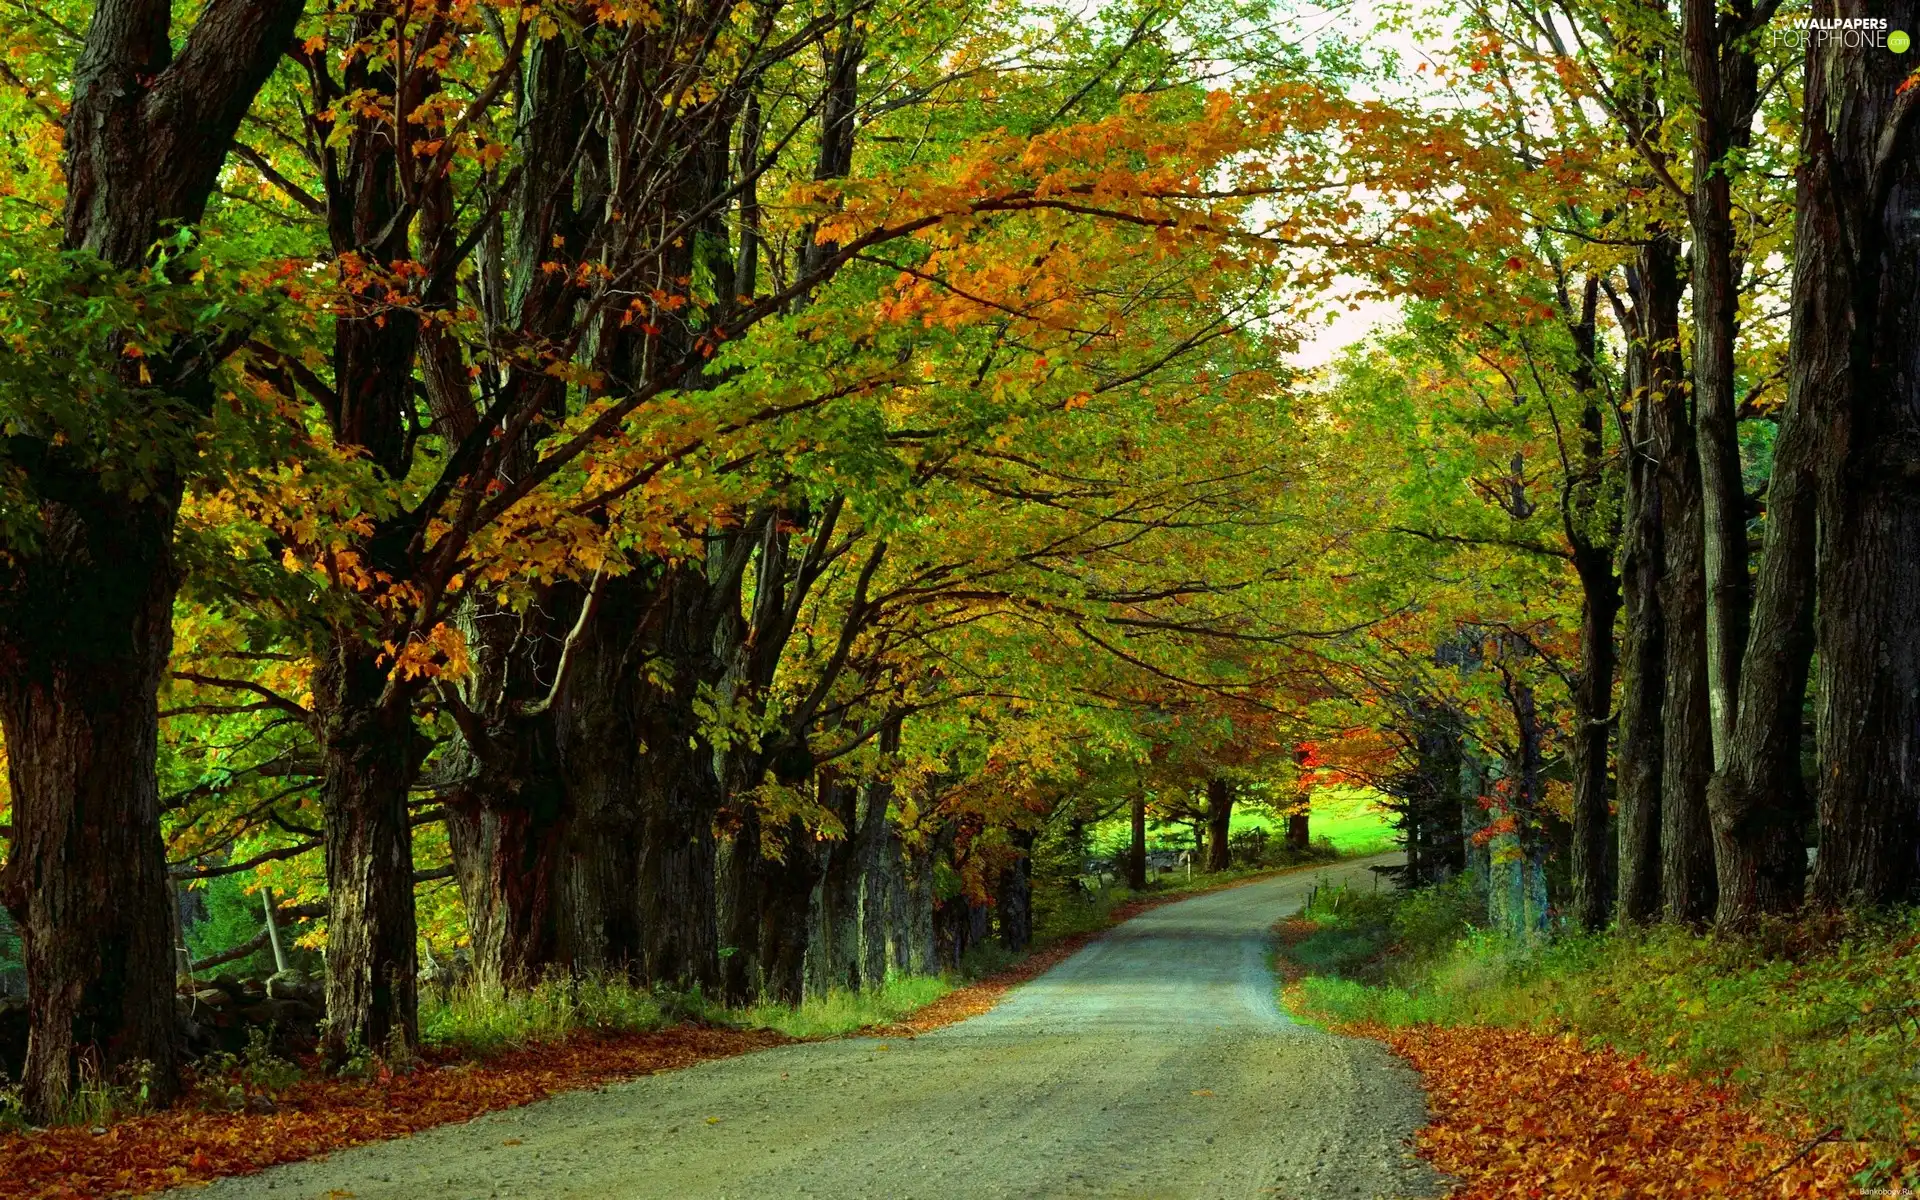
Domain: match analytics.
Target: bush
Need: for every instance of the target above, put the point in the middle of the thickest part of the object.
(230, 1081)
(1428, 921)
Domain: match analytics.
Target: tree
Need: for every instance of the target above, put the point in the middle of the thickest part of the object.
(1856, 277)
(85, 619)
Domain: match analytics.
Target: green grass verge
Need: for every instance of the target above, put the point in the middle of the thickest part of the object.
(479, 1021)
(841, 1012)
(1818, 1018)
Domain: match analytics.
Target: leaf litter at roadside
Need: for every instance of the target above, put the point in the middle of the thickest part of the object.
(167, 1149)
(1518, 1113)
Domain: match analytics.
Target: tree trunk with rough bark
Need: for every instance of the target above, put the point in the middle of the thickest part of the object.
(1654, 370)
(923, 956)
(1859, 225)
(1758, 800)
(679, 797)
(1219, 824)
(507, 834)
(836, 947)
(1718, 46)
(742, 888)
(598, 740)
(507, 820)
(1591, 536)
(876, 881)
(85, 612)
(785, 902)
(372, 754)
(1431, 799)
(87, 633)
(1686, 839)
(1593, 874)
(1137, 846)
(1014, 901)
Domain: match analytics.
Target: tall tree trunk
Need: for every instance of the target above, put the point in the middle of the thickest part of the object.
(1686, 841)
(85, 612)
(1725, 75)
(372, 756)
(742, 887)
(1859, 347)
(371, 750)
(1431, 799)
(679, 797)
(1015, 898)
(1758, 801)
(1654, 366)
(1137, 847)
(599, 910)
(598, 740)
(1524, 891)
(87, 632)
(507, 810)
(507, 833)
(784, 915)
(900, 913)
(1591, 535)
(877, 876)
(1219, 824)
(507, 822)
(1592, 874)
(923, 956)
(836, 949)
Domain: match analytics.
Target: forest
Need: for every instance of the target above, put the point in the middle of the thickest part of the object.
(755, 502)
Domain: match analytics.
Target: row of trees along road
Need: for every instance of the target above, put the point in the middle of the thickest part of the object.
(1653, 467)
(694, 492)
(601, 479)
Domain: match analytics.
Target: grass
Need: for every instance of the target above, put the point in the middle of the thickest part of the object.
(840, 1012)
(1813, 1020)
(480, 1021)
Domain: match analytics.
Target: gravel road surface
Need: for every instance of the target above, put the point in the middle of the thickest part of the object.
(1154, 1063)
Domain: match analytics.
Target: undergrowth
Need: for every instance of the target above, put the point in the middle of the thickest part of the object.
(481, 1019)
(1812, 1019)
(840, 1012)
(478, 1020)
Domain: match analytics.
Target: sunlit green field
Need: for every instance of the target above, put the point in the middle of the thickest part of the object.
(1350, 817)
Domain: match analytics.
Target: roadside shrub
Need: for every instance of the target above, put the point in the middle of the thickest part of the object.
(1428, 921)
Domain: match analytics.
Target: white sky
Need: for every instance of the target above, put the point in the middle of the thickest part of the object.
(1348, 327)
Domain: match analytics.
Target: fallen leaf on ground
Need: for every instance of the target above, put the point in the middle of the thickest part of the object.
(1517, 1113)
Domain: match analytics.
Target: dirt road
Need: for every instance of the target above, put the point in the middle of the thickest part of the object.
(1152, 1064)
